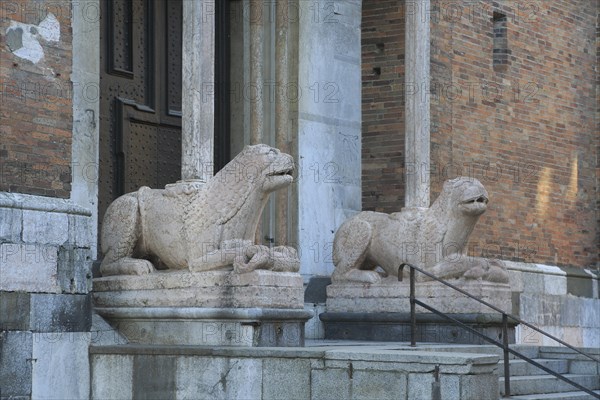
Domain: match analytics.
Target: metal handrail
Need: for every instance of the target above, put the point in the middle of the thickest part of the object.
(504, 345)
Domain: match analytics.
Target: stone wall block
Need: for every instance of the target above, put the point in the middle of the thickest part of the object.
(61, 369)
(28, 268)
(555, 285)
(112, 377)
(533, 282)
(284, 378)
(15, 364)
(591, 315)
(571, 311)
(80, 233)
(199, 378)
(330, 384)
(450, 387)
(474, 387)
(591, 337)
(154, 377)
(10, 225)
(45, 227)
(61, 313)
(75, 270)
(382, 385)
(218, 378)
(14, 311)
(420, 386)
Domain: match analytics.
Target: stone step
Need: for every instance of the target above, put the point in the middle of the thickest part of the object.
(523, 368)
(565, 353)
(526, 350)
(540, 384)
(556, 396)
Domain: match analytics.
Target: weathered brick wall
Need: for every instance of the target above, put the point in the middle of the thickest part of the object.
(383, 104)
(526, 129)
(35, 97)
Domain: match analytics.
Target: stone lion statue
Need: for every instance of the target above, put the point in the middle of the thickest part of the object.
(199, 227)
(372, 245)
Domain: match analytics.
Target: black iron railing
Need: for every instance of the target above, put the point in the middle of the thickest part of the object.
(505, 317)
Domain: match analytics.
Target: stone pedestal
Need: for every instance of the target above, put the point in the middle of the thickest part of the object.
(216, 308)
(381, 311)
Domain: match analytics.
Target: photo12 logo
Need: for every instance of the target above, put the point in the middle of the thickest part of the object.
(457, 11)
(32, 12)
(269, 91)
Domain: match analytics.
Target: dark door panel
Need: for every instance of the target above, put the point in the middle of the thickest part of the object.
(140, 87)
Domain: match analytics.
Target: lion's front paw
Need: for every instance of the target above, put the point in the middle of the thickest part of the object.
(127, 266)
(240, 266)
(360, 276)
(474, 273)
(257, 258)
(496, 274)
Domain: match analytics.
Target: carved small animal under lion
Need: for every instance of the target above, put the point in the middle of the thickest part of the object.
(189, 226)
(372, 245)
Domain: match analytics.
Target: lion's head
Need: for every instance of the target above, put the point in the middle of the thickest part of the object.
(461, 197)
(275, 168)
(465, 195)
(455, 212)
(248, 179)
(259, 167)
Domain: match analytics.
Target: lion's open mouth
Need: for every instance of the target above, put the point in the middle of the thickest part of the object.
(479, 199)
(284, 172)
(475, 205)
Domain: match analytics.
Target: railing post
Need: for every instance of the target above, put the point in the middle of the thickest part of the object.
(413, 315)
(436, 388)
(506, 363)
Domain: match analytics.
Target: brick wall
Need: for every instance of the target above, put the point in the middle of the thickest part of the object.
(383, 104)
(526, 129)
(35, 97)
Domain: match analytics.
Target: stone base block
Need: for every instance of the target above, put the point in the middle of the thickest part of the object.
(209, 326)
(431, 328)
(382, 372)
(391, 296)
(40, 312)
(212, 289)
(215, 308)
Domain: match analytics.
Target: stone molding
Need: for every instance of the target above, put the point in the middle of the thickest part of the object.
(41, 203)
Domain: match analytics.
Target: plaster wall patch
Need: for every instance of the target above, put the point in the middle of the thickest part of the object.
(24, 39)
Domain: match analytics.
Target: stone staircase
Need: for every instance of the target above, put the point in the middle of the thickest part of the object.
(528, 382)
(531, 383)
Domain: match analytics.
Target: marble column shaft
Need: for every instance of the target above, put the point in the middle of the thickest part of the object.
(417, 120)
(198, 105)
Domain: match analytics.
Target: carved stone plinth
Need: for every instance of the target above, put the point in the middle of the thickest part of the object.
(431, 328)
(381, 311)
(392, 296)
(217, 308)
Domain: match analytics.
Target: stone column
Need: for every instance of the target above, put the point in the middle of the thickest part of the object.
(198, 105)
(282, 110)
(329, 126)
(417, 117)
(256, 71)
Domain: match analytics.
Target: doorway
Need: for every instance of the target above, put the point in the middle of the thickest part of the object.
(141, 95)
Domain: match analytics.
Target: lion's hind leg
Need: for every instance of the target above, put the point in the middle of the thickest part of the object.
(350, 248)
(119, 237)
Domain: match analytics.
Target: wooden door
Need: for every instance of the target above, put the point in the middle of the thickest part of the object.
(140, 90)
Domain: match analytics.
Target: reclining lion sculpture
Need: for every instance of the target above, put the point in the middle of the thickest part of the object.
(199, 227)
(432, 239)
